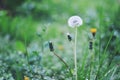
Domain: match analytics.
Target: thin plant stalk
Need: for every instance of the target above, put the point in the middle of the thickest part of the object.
(101, 61)
(27, 56)
(42, 46)
(62, 61)
(52, 50)
(91, 64)
(92, 57)
(75, 57)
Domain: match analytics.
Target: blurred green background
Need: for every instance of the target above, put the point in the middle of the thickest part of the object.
(27, 25)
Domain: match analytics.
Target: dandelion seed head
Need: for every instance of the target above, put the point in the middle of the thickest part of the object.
(75, 21)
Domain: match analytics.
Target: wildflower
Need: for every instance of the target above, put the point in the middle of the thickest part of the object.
(26, 78)
(60, 47)
(69, 37)
(93, 31)
(75, 21)
(51, 46)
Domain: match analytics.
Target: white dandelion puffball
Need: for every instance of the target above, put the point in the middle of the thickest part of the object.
(75, 21)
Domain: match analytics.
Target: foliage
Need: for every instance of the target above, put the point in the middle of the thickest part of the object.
(27, 26)
(18, 27)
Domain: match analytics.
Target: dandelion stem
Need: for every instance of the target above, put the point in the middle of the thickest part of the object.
(75, 57)
(62, 61)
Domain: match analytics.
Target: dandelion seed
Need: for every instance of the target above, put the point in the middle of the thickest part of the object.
(93, 31)
(69, 37)
(75, 21)
(51, 46)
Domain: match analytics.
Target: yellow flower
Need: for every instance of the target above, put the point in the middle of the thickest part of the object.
(60, 47)
(26, 78)
(93, 30)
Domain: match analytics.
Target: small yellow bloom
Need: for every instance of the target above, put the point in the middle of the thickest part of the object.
(60, 47)
(93, 30)
(26, 78)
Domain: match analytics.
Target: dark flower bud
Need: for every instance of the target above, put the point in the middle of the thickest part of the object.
(69, 37)
(90, 45)
(93, 34)
(51, 46)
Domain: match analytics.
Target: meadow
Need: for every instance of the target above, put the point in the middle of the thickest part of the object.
(35, 44)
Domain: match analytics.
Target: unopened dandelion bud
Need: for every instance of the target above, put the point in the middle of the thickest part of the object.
(93, 34)
(51, 46)
(69, 37)
(93, 31)
(90, 45)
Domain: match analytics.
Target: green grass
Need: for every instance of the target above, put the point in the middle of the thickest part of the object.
(18, 34)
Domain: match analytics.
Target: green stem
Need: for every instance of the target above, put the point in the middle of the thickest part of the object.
(62, 61)
(101, 61)
(106, 47)
(75, 57)
(108, 43)
(42, 46)
(26, 52)
(91, 64)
